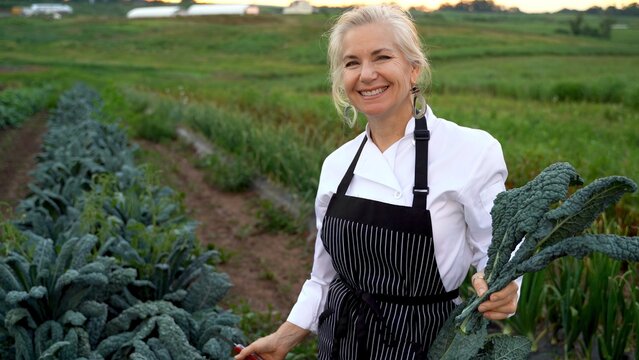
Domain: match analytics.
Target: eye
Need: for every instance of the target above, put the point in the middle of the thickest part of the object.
(350, 63)
(383, 57)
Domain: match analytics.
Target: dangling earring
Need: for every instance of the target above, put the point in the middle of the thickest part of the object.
(419, 103)
(349, 114)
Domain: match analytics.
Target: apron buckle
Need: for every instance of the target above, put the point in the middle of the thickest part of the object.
(421, 134)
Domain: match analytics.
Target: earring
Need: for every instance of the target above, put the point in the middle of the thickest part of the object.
(349, 114)
(419, 103)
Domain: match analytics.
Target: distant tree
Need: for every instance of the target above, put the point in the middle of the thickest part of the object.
(476, 6)
(594, 10)
(579, 27)
(605, 27)
(576, 24)
(631, 9)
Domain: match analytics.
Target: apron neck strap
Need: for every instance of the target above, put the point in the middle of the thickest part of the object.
(421, 190)
(346, 180)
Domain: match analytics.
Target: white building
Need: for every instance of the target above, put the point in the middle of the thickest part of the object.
(298, 7)
(253, 10)
(153, 12)
(193, 10)
(47, 9)
(221, 9)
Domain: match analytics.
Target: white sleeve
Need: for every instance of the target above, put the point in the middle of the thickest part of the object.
(487, 181)
(312, 299)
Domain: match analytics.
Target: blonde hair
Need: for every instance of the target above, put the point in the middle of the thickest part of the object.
(406, 37)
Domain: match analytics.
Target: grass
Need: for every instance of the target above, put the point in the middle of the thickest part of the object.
(257, 87)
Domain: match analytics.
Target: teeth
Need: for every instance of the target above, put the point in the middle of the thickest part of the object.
(374, 92)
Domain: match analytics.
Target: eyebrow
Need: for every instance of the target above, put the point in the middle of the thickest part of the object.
(375, 52)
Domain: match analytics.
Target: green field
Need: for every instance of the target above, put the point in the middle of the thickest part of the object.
(257, 87)
(263, 79)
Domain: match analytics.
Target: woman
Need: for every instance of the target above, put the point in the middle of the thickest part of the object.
(402, 210)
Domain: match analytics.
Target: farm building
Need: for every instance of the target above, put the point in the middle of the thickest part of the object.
(298, 7)
(221, 9)
(153, 12)
(253, 10)
(193, 10)
(47, 9)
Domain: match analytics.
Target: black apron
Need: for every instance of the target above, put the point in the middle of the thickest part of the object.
(387, 300)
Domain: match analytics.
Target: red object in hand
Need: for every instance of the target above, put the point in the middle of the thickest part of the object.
(238, 347)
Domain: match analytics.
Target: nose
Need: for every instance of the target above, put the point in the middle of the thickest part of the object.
(368, 72)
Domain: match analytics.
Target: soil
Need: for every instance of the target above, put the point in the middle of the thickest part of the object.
(267, 269)
(18, 149)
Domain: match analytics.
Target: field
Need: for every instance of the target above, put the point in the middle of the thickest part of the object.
(546, 97)
(257, 87)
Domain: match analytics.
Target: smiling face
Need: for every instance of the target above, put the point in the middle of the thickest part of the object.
(376, 76)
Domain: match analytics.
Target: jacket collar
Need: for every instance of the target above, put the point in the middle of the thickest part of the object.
(372, 164)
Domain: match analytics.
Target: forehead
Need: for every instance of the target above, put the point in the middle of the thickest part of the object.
(365, 39)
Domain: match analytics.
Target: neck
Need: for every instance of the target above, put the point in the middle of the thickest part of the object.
(388, 130)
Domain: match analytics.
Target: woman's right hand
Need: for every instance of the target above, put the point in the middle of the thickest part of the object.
(276, 345)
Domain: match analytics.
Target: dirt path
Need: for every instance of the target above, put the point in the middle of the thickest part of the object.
(19, 147)
(267, 270)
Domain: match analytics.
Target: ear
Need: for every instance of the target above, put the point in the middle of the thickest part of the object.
(414, 73)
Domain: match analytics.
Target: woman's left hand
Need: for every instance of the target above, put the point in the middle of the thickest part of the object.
(500, 304)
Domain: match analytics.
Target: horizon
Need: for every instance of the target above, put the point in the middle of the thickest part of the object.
(542, 6)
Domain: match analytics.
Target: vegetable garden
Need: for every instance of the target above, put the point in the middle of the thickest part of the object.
(103, 263)
(512, 75)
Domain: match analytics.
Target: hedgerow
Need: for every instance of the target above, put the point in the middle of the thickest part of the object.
(102, 262)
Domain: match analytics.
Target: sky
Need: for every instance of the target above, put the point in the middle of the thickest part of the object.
(531, 6)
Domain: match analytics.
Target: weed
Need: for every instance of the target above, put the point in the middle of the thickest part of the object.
(274, 219)
(224, 254)
(244, 231)
(228, 174)
(267, 275)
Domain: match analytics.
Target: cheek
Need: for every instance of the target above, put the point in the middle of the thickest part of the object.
(349, 79)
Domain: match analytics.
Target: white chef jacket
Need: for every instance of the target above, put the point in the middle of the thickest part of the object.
(466, 171)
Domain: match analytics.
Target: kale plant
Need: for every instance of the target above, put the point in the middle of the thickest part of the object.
(103, 263)
(546, 226)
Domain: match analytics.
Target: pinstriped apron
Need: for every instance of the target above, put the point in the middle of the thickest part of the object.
(387, 300)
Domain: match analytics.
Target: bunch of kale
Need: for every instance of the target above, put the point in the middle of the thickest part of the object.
(545, 225)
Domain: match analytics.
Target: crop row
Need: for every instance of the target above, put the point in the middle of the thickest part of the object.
(16, 105)
(102, 262)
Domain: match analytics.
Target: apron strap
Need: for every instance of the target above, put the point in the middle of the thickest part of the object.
(421, 190)
(346, 180)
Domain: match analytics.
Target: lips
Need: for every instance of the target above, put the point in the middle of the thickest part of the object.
(373, 92)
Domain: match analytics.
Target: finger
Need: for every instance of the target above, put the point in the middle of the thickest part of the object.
(245, 352)
(480, 286)
(504, 297)
(493, 315)
(508, 308)
(505, 306)
(509, 291)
